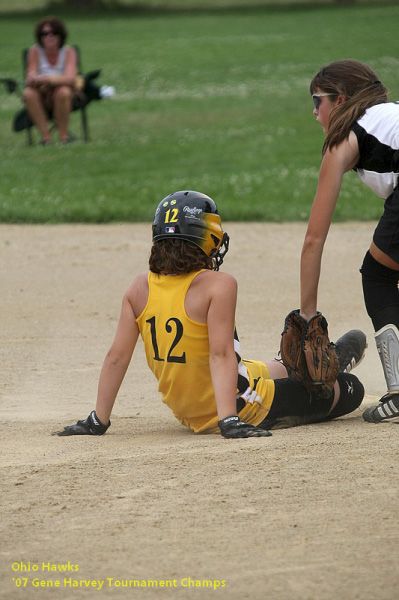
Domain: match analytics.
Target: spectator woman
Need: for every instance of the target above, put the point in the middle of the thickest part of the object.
(50, 78)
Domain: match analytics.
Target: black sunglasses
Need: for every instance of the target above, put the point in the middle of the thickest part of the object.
(46, 33)
(317, 99)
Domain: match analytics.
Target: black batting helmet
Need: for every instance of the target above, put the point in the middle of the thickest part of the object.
(194, 217)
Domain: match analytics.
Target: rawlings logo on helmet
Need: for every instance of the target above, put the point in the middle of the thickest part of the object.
(193, 210)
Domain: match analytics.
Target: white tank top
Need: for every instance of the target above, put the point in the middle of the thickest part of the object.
(45, 68)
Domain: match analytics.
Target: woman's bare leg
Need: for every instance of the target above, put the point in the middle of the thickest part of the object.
(62, 109)
(34, 105)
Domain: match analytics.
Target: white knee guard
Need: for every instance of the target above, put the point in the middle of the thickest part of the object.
(387, 340)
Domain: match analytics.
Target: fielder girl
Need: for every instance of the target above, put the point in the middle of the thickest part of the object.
(362, 133)
(184, 309)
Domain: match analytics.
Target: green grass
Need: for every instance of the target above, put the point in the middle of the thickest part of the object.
(213, 102)
(52, 6)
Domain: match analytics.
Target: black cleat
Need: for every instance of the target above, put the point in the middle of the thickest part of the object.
(350, 350)
(386, 410)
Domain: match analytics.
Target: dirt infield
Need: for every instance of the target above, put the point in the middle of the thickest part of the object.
(151, 510)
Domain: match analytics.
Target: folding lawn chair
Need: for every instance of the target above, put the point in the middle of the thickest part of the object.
(90, 91)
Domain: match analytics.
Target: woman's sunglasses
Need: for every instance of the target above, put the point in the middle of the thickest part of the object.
(46, 33)
(317, 99)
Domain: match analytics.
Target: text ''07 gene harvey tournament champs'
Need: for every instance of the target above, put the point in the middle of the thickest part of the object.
(68, 576)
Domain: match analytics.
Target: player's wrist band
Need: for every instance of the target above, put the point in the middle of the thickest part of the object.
(97, 425)
(228, 422)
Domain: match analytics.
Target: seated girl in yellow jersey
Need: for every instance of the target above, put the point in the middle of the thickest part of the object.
(184, 309)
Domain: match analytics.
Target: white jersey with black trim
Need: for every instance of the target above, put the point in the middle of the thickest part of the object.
(377, 133)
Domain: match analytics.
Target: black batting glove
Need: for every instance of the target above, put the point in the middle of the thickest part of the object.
(90, 426)
(233, 427)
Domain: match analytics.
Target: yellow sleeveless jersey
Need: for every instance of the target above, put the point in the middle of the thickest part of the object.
(177, 351)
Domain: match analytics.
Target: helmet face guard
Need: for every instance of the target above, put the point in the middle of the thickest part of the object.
(222, 251)
(193, 217)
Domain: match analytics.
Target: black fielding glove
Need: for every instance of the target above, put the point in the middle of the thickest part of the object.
(90, 426)
(233, 427)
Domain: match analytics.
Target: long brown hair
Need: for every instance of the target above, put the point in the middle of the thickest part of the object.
(175, 257)
(361, 87)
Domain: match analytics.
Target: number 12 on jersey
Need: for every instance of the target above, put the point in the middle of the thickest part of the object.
(172, 325)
